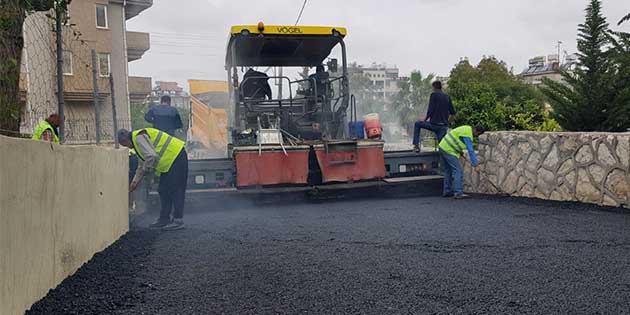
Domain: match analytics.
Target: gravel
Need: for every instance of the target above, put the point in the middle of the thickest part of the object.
(485, 255)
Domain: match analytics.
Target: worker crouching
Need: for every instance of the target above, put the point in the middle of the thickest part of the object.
(165, 155)
(452, 149)
(46, 130)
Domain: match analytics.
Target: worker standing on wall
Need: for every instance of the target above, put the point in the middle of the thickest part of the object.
(165, 155)
(46, 130)
(436, 120)
(451, 150)
(164, 117)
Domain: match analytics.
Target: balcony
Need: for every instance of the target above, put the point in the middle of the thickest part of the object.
(134, 7)
(137, 44)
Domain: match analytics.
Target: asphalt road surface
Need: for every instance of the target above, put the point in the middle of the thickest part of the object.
(379, 256)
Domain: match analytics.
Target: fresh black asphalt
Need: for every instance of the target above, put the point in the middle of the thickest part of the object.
(373, 256)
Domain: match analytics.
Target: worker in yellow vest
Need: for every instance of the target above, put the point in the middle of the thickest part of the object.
(165, 155)
(46, 130)
(452, 149)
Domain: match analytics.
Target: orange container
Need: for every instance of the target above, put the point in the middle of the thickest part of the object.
(373, 127)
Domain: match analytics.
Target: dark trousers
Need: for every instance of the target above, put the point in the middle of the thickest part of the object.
(440, 130)
(172, 188)
(133, 165)
(453, 174)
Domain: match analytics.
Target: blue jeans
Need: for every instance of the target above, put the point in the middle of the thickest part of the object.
(453, 174)
(440, 130)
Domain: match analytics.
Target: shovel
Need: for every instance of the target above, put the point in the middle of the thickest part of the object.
(501, 191)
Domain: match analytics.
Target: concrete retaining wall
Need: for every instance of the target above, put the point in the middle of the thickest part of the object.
(58, 206)
(585, 167)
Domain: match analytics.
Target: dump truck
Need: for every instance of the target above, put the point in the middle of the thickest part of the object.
(296, 139)
(207, 137)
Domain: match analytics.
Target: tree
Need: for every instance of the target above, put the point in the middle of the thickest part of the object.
(619, 117)
(304, 74)
(138, 111)
(585, 102)
(624, 19)
(413, 99)
(365, 92)
(12, 18)
(490, 95)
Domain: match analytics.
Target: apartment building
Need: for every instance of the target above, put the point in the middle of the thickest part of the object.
(179, 98)
(94, 24)
(385, 79)
(547, 67)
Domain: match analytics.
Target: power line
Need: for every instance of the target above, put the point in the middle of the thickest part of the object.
(301, 11)
(186, 37)
(183, 45)
(193, 34)
(173, 53)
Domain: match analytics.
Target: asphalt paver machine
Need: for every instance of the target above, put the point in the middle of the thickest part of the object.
(296, 139)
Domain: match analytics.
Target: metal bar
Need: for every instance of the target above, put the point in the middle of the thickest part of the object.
(235, 84)
(341, 111)
(114, 115)
(60, 90)
(280, 71)
(267, 77)
(97, 113)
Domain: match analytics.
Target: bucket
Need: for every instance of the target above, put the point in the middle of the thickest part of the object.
(357, 129)
(373, 127)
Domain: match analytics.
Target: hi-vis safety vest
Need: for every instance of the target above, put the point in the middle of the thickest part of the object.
(452, 144)
(167, 147)
(41, 128)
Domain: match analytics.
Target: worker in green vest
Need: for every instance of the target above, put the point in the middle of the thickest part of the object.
(452, 149)
(165, 155)
(46, 130)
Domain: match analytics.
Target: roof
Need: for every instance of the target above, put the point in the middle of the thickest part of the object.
(537, 69)
(546, 68)
(287, 46)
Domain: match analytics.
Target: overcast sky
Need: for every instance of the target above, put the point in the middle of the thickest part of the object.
(188, 37)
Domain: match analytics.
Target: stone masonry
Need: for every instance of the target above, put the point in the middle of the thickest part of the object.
(585, 167)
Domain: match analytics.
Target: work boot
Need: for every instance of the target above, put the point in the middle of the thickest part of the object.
(177, 224)
(461, 196)
(448, 195)
(160, 223)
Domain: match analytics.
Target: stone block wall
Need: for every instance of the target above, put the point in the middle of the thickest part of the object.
(586, 167)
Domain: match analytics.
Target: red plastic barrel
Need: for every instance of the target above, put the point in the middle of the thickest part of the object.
(373, 127)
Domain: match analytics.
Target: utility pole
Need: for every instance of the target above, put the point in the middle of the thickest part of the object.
(60, 99)
(97, 112)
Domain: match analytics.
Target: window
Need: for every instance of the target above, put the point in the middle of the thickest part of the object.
(67, 62)
(101, 16)
(104, 68)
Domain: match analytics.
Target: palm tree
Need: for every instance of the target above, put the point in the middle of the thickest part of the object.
(624, 19)
(412, 101)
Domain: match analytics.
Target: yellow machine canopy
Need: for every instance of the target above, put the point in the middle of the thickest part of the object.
(281, 46)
